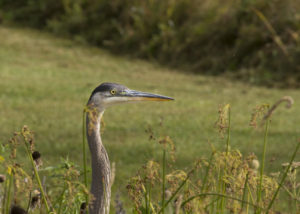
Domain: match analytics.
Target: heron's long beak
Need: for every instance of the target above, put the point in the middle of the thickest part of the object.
(140, 96)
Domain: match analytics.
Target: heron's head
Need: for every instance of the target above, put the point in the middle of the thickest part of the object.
(108, 94)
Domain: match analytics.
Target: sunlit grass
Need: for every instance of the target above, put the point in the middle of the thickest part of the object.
(45, 82)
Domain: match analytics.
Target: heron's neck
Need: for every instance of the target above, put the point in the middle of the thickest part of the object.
(100, 187)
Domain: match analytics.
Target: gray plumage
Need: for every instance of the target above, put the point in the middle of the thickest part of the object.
(105, 95)
(100, 188)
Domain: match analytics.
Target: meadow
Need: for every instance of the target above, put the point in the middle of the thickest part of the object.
(46, 81)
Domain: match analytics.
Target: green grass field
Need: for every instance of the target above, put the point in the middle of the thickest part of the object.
(45, 82)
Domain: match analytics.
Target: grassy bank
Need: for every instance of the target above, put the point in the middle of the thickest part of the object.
(45, 82)
(253, 40)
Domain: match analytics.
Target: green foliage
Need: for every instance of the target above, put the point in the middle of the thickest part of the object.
(61, 184)
(254, 40)
(227, 182)
(45, 82)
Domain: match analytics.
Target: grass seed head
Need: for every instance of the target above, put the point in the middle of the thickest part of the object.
(294, 165)
(35, 200)
(254, 164)
(28, 137)
(2, 178)
(289, 102)
(168, 142)
(257, 114)
(17, 210)
(83, 208)
(175, 178)
(150, 131)
(152, 171)
(222, 122)
(136, 190)
(36, 156)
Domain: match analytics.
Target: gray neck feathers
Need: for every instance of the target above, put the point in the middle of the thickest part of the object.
(100, 188)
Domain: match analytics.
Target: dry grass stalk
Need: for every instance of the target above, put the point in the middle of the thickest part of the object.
(289, 102)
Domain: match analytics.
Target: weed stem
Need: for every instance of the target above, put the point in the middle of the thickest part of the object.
(163, 181)
(37, 175)
(219, 195)
(176, 191)
(228, 132)
(10, 181)
(262, 165)
(84, 151)
(283, 177)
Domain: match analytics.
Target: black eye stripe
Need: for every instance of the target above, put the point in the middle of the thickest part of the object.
(107, 87)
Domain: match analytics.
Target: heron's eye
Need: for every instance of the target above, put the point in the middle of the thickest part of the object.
(113, 91)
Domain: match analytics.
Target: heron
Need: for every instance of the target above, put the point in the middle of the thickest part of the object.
(103, 96)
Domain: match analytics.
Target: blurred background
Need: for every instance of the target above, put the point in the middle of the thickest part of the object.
(253, 40)
(204, 53)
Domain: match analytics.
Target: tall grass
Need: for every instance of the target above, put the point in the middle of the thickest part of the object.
(27, 136)
(60, 190)
(226, 182)
(84, 160)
